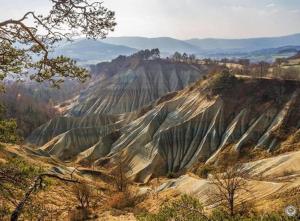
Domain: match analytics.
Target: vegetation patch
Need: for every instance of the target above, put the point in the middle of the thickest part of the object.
(222, 82)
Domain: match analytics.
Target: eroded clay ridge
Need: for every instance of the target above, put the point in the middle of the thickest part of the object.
(130, 84)
(191, 125)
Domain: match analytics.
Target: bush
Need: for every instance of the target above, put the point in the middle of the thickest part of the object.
(83, 194)
(127, 199)
(8, 131)
(79, 214)
(204, 170)
(221, 215)
(186, 208)
(4, 211)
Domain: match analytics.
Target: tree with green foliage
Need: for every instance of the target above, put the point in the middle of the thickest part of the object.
(155, 53)
(177, 56)
(185, 57)
(26, 48)
(26, 45)
(192, 58)
(148, 54)
(8, 128)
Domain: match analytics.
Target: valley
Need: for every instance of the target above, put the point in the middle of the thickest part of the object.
(135, 114)
(163, 120)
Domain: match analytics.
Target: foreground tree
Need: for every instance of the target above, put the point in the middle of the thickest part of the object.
(229, 184)
(37, 184)
(26, 48)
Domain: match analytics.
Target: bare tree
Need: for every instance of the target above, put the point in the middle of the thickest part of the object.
(229, 185)
(26, 43)
(83, 194)
(118, 174)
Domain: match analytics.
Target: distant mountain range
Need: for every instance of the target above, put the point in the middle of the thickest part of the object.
(268, 54)
(166, 45)
(92, 52)
(244, 45)
(87, 51)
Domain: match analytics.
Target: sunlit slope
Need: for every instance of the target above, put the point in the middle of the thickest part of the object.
(130, 84)
(192, 125)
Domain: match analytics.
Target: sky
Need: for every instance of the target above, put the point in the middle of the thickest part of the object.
(185, 19)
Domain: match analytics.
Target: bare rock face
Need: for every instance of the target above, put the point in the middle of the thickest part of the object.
(119, 91)
(60, 125)
(191, 127)
(134, 84)
(180, 129)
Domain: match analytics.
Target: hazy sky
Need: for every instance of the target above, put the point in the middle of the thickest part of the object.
(186, 19)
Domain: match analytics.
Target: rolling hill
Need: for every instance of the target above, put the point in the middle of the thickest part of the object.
(166, 45)
(244, 45)
(95, 51)
(87, 51)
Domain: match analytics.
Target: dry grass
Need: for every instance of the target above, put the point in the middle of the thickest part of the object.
(292, 143)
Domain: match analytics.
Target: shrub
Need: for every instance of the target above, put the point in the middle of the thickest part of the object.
(8, 131)
(127, 199)
(26, 169)
(4, 211)
(186, 208)
(221, 215)
(83, 194)
(79, 214)
(204, 170)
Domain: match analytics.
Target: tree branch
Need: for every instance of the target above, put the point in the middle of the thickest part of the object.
(35, 185)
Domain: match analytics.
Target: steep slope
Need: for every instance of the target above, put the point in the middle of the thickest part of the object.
(131, 83)
(118, 93)
(278, 177)
(61, 125)
(195, 125)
